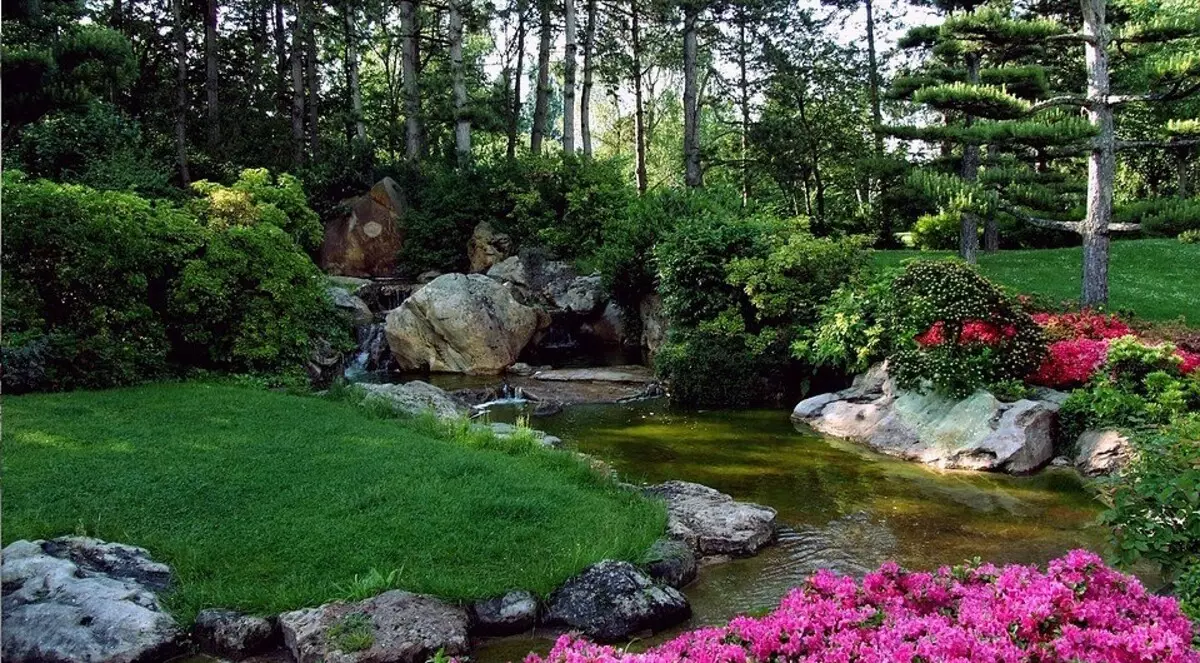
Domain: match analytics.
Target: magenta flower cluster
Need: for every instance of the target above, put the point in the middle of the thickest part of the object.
(1078, 610)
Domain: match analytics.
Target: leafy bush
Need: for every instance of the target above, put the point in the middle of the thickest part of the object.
(957, 332)
(934, 232)
(720, 364)
(1076, 610)
(850, 333)
(1190, 236)
(1187, 589)
(256, 198)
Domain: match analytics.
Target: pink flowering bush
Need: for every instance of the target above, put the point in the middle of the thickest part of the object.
(1077, 610)
(1079, 347)
(1084, 324)
(1070, 362)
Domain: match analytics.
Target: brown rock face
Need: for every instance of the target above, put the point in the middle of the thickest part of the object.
(487, 247)
(364, 242)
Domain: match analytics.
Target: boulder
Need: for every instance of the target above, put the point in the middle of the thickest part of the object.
(364, 241)
(414, 398)
(232, 635)
(325, 364)
(671, 561)
(1099, 452)
(460, 323)
(512, 613)
(628, 374)
(654, 323)
(711, 522)
(395, 626)
(354, 307)
(608, 328)
(612, 601)
(552, 284)
(487, 247)
(80, 599)
(583, 295)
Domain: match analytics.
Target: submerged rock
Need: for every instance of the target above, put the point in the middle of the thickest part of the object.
(395, 626)
(612, 601)
(414, 398)
(711, 522)
(233, 635)
(80, 599)
(460, 323)
(505, 615)
(1099, 452)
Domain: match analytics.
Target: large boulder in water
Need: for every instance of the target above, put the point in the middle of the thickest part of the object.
(612, 601)
(395, 626)
(80, 599)
(460, 323)
(365, 240)
(712, 522)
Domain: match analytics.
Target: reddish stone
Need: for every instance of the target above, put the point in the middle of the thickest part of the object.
(364, 242)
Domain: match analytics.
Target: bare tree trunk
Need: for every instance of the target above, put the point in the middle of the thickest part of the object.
(1101, 162)
(691, 107)
(181, 106)
(462, 122)
(639, 107)
(352, 82)
(744, 103)
(968, 236)
(541, 105)
(297, 66)
(314, 85)
(211, 104)
(585, 96)
(873, 76)
(1183, 183)
(281, 59)
(412, 92)
(514, 117)
(569, 78)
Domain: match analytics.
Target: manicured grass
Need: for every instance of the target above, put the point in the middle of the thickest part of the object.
(267, 502)
(1157, 279)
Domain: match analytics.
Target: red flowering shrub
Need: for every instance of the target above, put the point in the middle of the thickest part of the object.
(1082, 346)
(1191, 361)
(1070, 363)
(1085, 324)
(1077, 610)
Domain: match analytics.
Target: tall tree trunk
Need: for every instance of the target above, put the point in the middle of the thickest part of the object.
(181, 105)
(569, 77)
(514, 115)
(412, 92)
(352, 82)
(639, 107)
(297, 66)
(313, 83)
(462, 122)
(541, 105)
(585, 95)
(211, 105)
(1183, 183)
(691, 102)
(873, 76)
(281, 59)
(968, 236)
(744, 103)
(1101, 161)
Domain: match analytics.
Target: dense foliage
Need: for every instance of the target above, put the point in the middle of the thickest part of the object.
(1076, 610)
(106, 288)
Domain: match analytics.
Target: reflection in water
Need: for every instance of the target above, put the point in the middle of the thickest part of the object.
(840, 505)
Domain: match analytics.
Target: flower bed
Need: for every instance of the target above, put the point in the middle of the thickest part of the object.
(1077, 610)
(1079, 346)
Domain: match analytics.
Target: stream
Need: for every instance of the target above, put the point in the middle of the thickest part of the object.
(840, 506)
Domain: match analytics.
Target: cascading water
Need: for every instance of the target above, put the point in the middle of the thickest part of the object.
(373, 354)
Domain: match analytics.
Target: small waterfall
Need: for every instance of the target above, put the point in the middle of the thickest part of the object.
(373, 356)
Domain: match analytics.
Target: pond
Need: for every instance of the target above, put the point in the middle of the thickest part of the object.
(840, 506)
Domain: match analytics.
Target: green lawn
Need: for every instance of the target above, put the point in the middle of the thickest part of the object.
(266, 502)
(1158, 279)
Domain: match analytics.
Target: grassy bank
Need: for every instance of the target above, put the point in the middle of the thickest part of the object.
(1157, 279)
(266, 502)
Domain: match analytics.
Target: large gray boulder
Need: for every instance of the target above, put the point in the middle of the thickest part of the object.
(414, 398)
(81, 599)
(393, 627)
(612, 601)
(975, 433)
(711, 522)
(1099, 452)
(460, 323)
(552, 284)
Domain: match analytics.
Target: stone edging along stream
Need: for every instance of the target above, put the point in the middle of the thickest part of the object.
(77, 598)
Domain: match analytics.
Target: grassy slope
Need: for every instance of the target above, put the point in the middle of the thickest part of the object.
(1158, 279)
(266, 502)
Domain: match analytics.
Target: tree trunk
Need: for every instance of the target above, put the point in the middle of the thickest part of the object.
(297, 66)
(281, 59)
(873, 77)
(569, 78)
(181, 105)
(541, 106)
(691, 107)
(462, 122)
(744, 104)
(1183, 183)
(1101, 161)
(314, 85)
(211, 105)
(412, 92)
(585, 95)
(639, 108)
(968, 236)
(352, 82)
(514, 116)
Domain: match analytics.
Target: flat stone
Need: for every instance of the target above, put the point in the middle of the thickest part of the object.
(233, 635)
(512, 613)
(631, 374)
(611, 601)
(711, 522)
(811, 407)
